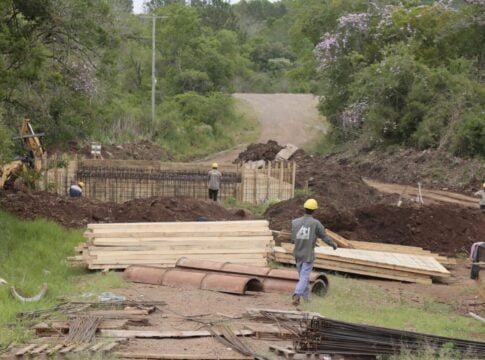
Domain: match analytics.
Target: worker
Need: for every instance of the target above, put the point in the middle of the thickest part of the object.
(215, 177)
(76, 190)
(482, 194)
(304, 233)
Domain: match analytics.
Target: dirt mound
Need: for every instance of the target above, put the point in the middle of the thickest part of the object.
(255, 152)
(446, 230)
(66, 211)
(172, 209)
(434, 169)
(75, 213)
(281, 214)
(143, 150)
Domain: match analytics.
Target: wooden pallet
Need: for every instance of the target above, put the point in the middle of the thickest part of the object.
(51, 349)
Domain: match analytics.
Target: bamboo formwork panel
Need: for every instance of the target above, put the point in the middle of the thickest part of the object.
(123, 180)
(271, 181)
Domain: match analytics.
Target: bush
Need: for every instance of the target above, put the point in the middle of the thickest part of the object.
(470, 137)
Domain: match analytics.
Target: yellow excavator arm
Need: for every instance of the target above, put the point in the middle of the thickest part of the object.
(31, 142)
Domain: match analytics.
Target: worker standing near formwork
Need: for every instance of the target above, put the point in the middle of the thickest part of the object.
(304, 233)
(482, 194)
(214, 179)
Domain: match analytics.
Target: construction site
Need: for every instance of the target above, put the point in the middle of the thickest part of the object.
(213, 280)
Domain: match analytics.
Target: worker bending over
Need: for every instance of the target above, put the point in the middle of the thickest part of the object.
(482, 194)
(215, 177)
(304, 233)
(76, 190)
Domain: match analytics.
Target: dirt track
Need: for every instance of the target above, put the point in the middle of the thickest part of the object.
(433, 196)
(285, 118)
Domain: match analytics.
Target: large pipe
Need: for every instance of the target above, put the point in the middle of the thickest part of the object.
(184, 278)
(279, 280)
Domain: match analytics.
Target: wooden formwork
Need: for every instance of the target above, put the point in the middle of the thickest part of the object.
(123, 180)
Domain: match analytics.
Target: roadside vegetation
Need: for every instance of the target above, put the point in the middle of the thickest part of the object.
(33, 253)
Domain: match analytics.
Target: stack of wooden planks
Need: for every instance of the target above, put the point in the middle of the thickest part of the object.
(387, 265)
(117, 246)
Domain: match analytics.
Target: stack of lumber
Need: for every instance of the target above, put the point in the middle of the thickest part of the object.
(342, 242)
(117, 246)
(403, 267)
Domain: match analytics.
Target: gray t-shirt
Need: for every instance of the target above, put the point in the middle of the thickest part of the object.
(304, 234)
(215, 177)
(482, 194)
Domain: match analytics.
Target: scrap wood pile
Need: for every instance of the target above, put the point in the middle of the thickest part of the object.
(117, 246)
(91, 327)
(224, 277)
(394, 262)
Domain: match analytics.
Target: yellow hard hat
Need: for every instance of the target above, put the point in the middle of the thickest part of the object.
(81, 184)
(215, 165)
(311, 204)
(483, 185)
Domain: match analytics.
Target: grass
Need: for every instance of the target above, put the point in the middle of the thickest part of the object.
(355, 301)
(33, 253)
(258, 210)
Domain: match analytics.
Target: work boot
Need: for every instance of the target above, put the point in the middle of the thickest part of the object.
(296, 300)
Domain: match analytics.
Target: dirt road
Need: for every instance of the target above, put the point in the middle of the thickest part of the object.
(285, 118)
(431, 196)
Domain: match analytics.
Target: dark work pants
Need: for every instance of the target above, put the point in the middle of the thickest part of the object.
(213, 194)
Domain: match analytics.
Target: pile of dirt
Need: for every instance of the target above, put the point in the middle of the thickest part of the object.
(143, 150)
(446, 230)
(433, 169)
(281, 214)
(443, 229)
(255, 152)
(173, 209)
(72, 213)
(75, 213)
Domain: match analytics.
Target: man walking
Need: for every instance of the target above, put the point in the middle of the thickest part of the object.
(215, 177)
(304, 233)
(482, 194)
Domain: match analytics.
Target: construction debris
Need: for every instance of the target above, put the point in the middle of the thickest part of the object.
(337, 337)
(117, 246)
(34, 298)
(82, 329)
(183, 278)
(402, 267)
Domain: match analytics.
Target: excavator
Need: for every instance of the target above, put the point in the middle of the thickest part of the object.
(31, 160)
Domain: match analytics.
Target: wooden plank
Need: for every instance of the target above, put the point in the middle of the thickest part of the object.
(163, 356)
(54, 349)
(39, 350)
(58, 325)
(67, 349)
(181, 246)
(25, 349)
(340, 240)
(154, 254)
(154, 334)
(413, 263)
(179, 241)
(179, 234)
(361, 270)
(171, 264)
(183, 226)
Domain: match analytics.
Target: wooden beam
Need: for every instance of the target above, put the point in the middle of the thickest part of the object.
(154, 334)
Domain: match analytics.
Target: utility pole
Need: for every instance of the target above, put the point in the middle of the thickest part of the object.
(154, 78)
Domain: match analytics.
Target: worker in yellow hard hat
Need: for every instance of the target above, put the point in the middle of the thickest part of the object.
(304, 233)
(214, 181)
(76, 191)
(482, 194)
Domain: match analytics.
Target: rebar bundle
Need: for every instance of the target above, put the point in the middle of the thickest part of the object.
(338, 337)
(82, 329)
